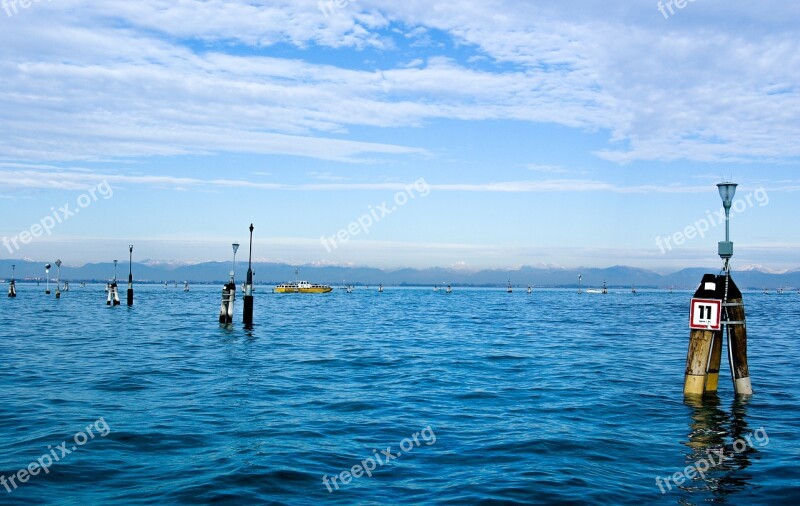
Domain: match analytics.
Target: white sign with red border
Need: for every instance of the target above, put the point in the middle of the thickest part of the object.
(706, 314)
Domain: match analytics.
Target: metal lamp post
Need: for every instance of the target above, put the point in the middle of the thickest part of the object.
(248, 291)
(727, 192)
(58, 280)
(130, 275)
(47, 278)
(235, 247)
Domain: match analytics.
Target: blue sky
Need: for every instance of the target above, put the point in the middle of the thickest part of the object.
(569, 133)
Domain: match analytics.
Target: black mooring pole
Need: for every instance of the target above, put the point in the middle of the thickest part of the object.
(130, 276)
(248, 289)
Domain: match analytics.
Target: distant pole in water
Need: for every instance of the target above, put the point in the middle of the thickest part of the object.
(47, 277)
(58, 280)
(580, 277)
(718, 308)
(248, 289)
(113, 290)
(12, 288)
(508, 288)
(130, 275)
(229, 293)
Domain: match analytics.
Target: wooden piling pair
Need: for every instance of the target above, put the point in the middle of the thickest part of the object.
(705, 345)
(228, 298)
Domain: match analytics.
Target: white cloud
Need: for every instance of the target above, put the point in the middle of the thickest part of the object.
(90, 79)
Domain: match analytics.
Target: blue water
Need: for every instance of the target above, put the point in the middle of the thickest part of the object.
(532, 399)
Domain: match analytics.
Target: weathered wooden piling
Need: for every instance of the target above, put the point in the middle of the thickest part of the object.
(12, 287)
(705, 325)
(229, 293)
(113, 294)
(736, 325)
(113, 290)
(712, 371)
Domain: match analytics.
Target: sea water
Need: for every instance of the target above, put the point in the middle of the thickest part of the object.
(478, 396)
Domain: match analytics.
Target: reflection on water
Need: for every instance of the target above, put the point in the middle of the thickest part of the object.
(721, 446)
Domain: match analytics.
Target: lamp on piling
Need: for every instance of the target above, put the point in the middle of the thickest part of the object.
(726, 192)
(235, 247)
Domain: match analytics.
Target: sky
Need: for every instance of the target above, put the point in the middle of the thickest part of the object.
(470, 134)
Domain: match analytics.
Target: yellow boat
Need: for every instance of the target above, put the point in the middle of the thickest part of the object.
(302, 287)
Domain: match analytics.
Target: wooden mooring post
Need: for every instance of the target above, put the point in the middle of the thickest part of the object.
(717, 311)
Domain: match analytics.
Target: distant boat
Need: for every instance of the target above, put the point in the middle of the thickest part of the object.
(302, 287)
(349, 288)
(435, 288)
(780, 291)
(766, 291)
(595, 290)
(633, 289)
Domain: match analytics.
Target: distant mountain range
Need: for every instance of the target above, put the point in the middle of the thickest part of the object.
(754, 277)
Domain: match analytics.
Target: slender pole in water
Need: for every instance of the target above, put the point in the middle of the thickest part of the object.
(47, 272)
(58, 280)
(12, 288)
(248, 290)
(130, 276)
